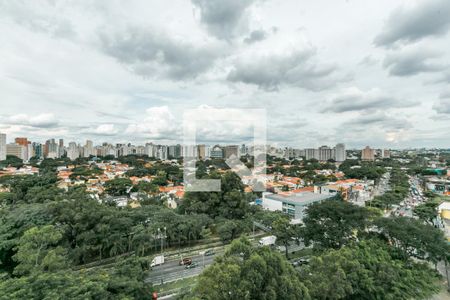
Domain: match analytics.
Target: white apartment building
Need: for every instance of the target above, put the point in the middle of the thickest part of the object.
(2, 146)
(73, 152)
(340, 153)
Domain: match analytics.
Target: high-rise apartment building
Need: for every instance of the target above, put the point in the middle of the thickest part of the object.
(175, 151)
(88, 149)
(340, 153)
(2, 146)
(16, 150)
(311, 153)
(368, 154)
(23, 141)
(216, 152)
(51, 149)
(201, 151)
(38, 150)
(73, 152)
(325, 153)
(231, 150)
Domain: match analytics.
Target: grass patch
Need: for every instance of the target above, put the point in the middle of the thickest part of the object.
(176, 285)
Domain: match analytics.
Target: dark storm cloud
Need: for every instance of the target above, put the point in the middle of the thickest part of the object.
(412, 63)
(428, 18)
(255, 36)
(299, 68)
(356, 100)
(224, 19)
(148, 53)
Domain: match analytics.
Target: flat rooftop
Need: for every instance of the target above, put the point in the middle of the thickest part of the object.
(299, 198)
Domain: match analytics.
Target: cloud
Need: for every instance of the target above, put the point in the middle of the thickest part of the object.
(379, 119)
(298, 67)
(377, 128)
(46, 120)
(255, 36)
(445, 78)
(40, 16)
(353, 99)
(442, 106)
(151, 54)
(224, 19)
(411, 62)
(159, 123)
(413, 23)
(105, 129)
(368, 60)
(445, 95)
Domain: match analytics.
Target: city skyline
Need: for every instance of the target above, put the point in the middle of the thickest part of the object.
(106, 73)
(26, 149)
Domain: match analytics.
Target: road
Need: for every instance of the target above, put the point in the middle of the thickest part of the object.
(415, 197)
(171, 270)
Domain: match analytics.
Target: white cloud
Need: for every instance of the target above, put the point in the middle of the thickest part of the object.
(43, 120)
(158, 123)
(105, 129)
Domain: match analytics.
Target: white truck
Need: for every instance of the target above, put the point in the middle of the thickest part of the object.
(268, 240)
(158, 260)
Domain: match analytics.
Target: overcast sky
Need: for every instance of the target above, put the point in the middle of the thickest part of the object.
(360, 72)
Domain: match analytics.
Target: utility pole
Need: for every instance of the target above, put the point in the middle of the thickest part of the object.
(160, 236)
(165, 235)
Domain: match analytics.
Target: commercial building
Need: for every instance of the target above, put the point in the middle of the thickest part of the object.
(293, 205)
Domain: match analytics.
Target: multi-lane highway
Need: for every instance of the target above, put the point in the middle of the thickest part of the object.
(415, 197)
(171, 270)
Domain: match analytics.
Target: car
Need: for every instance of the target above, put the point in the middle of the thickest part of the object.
(191, 265)
(186, 261)
(300, 262)
(209, 252)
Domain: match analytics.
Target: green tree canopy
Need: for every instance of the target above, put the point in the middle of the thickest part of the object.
(334, 223)
(245, 272)
(367, 271)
